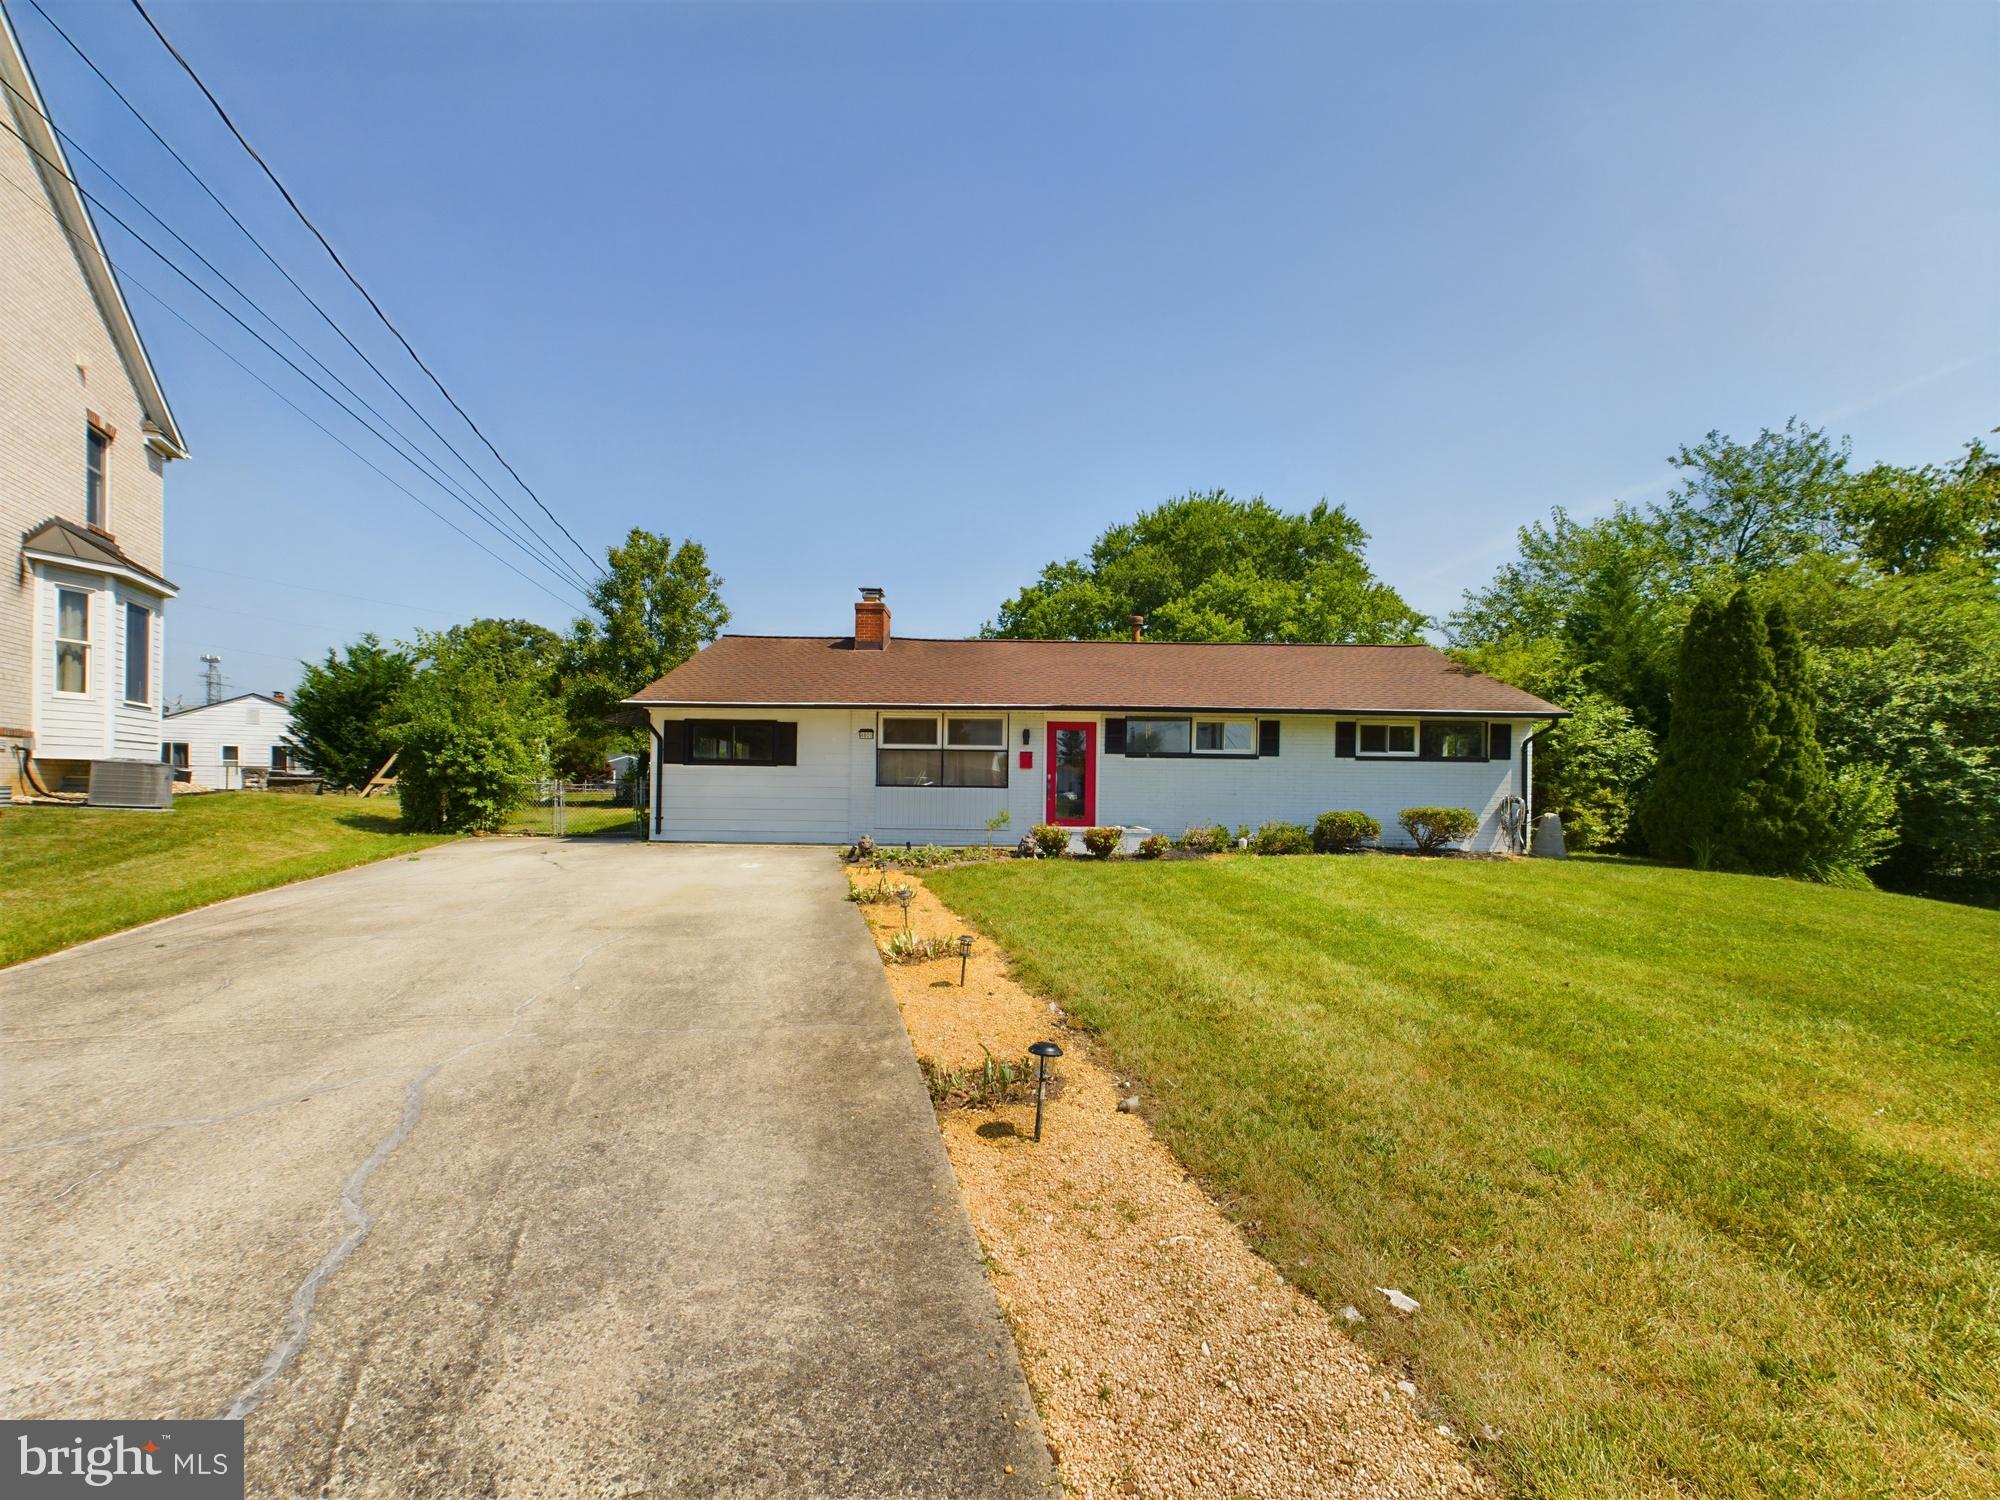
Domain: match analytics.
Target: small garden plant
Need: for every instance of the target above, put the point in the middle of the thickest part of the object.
(1283, 838)
(1431, 828)
(1344, 832)
(1154, 846)
(1051, 839)
(1204, 838)
(907, 947)
(1101, 843)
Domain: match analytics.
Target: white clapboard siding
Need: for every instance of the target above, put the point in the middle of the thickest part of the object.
(830, 796)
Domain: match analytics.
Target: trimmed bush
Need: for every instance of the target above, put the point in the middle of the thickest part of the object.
(1431, 828)
(1102, 842)
(1340, 832)
(1154, 846)
(1050, 839)
(1205, 839)
(1283, 838)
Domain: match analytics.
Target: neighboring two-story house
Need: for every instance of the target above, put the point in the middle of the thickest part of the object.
(85, 437)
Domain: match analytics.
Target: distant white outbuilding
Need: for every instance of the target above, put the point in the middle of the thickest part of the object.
(214, 742)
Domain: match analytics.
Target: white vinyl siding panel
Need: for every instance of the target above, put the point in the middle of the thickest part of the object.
(831, 796)
(252, 725)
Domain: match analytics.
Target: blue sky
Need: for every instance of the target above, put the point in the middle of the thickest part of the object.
(925, 296)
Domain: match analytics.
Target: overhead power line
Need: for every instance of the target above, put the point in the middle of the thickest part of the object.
(182, 319)
(415, 456)
(276, 265)
(566, 578)
(355, 281)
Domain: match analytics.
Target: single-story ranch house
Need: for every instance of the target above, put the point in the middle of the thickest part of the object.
(816, 739)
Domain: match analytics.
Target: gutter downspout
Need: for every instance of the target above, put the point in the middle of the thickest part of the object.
(659, 772)
(1528, 780)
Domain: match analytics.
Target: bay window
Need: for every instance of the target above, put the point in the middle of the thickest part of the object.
(138, 654)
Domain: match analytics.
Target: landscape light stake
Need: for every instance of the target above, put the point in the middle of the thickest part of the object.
(1044, 1051)
(964, 952)
(904, 896)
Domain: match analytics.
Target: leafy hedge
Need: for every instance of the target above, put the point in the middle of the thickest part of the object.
(1341, 832)
(1431, 828)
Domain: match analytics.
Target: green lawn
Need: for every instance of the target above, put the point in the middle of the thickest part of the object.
(71, 873)
(1697, 1177)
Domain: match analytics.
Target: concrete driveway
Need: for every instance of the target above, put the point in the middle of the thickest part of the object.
(512, 1168)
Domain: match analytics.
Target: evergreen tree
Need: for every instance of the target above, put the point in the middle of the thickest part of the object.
(1706, 806)
(1796, 817)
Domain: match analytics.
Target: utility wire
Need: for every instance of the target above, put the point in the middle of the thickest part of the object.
(182, 319)
(231, 314)
(278, 266)
(243, 141)
(560, 565)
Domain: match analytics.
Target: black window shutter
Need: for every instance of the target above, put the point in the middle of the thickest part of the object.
(1343, 738)
(1267, 736)
(784, 744)
(673, 742)
(1499, 741)
(1114, 736)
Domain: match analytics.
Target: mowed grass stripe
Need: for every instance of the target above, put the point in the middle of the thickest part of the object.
(1694, 1174)
(68, 874)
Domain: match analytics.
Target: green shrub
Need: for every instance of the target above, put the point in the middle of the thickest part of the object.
(1102, 842)
(1339, 832)
(472, 725)
(1862, 829)
(1283, 838)
(1205, 839)
(1431, 828)
(1051, 839)
(1154, 846)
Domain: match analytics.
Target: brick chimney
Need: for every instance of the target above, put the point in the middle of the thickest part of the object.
(278, 694)
(1138, 624)
(871, 621)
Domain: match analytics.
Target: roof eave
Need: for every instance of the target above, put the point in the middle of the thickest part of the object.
(163, 433)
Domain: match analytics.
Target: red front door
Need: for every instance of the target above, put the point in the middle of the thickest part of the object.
(1072, 775)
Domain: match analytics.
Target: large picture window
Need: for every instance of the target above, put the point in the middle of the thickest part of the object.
(1448, 739)
(965, 750)
(1168, 737)
(72, 641)
(1158, 737)
(747, 742)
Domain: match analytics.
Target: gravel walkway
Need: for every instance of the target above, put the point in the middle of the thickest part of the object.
(1167, 1357)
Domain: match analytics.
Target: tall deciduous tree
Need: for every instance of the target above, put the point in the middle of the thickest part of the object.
(656, 605)
(337, 711)
(1208, 567)
(1745, 508)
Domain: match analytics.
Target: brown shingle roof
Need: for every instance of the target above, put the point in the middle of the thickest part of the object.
(64, 538)
(804, 671)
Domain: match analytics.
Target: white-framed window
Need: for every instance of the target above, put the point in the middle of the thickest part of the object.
(230, 755)
(96, 475)
(964, 750)
(73, 641)
(138, 654)
(174, 753)
(1225, 736)
(1386, 737)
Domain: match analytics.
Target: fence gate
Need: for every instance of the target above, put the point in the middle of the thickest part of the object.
(579, 809)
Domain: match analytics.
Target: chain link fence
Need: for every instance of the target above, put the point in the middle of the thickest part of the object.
(581, 809)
